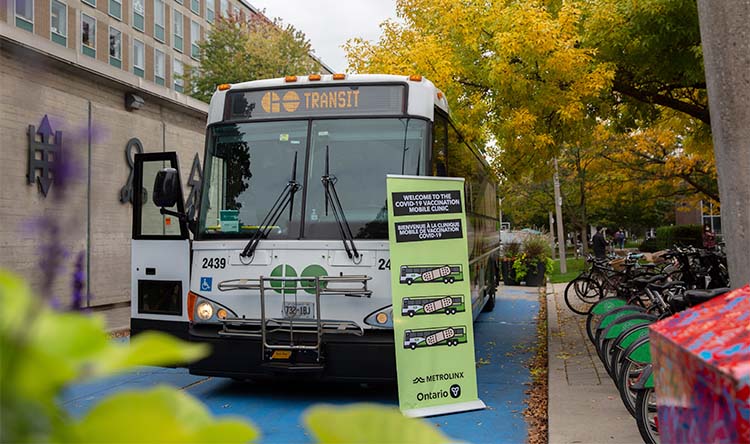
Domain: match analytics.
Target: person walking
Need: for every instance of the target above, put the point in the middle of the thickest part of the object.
(709, 237)
(600, 244)
(620, 238)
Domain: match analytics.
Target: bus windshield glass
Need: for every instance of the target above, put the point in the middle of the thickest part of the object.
(249, 164)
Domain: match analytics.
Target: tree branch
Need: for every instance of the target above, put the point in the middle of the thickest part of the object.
(699, 112)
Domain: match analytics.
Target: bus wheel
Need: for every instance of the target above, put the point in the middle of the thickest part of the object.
(411, 313)
(451, 279)
(409, 281)
(412, 346)
(449, 343)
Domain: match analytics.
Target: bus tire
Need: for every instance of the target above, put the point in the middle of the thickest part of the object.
(412, 346)
(451, 279)
(409, 281)
(411, 313)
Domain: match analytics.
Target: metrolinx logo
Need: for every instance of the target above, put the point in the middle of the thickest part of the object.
(289, 287)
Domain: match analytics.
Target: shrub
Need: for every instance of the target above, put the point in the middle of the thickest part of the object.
(536, 248)
(512, 250)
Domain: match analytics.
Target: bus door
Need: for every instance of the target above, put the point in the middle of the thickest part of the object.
(160, 252)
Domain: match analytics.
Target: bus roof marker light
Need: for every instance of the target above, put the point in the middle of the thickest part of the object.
(415, 78)
(339, 76)
(440, 95)
(313, 77)
(290, 79)
(224, 87)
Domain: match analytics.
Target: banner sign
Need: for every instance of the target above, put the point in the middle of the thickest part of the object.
(432, 323)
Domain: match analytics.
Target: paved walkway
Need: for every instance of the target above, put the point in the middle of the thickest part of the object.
(584, 404)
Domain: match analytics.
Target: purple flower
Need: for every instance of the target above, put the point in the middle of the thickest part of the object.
(79, 283)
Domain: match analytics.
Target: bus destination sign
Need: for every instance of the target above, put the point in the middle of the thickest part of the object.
(316, 102)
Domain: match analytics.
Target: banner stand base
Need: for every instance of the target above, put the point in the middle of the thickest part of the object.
(445, 409)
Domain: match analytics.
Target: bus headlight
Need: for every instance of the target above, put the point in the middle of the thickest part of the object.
(382, 318)
(204, 311)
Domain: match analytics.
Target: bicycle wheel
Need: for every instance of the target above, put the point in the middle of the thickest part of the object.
(598, 311)
(581, 294)
(629, 374)
(646, 416)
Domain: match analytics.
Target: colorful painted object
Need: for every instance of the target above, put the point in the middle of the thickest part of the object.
(702, 365)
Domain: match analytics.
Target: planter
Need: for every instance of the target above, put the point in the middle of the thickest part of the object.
(535, 275)
(509, 275)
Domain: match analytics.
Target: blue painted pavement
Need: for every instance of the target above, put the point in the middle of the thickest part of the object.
(503, 341)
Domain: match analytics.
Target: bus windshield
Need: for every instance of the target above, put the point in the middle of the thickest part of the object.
(249, 164)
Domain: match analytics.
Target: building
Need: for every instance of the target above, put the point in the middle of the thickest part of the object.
(101, 80)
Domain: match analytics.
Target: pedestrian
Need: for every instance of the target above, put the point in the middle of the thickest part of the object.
(709, 237)
(600, 243)
(620, 238)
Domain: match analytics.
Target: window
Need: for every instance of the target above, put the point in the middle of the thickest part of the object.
(236, 11)
(58, 22)
(139, 56)
(177, 30)
(195, 6)
(224, 11)
(88, 35)
(115, 47)
(90, 2)
(210, 11)
(159, 20)
(177, 73)
(195, 35)
(159, 67)
(178, 1)
(25, 14)
(115, 9)
(139, 12)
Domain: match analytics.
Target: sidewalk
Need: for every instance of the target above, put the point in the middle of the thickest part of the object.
(584, 404)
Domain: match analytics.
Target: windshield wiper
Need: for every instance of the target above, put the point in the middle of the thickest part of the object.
(286, 198)
(329, 185)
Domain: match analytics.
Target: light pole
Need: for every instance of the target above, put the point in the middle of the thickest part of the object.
(560, 231)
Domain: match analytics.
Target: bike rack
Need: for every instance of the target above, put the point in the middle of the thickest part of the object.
(299, 330)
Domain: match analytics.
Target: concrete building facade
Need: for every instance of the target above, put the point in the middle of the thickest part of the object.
(98, 78)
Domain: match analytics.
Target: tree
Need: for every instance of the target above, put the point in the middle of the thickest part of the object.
(239, 51)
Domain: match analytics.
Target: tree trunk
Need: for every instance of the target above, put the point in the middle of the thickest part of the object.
(725, 29)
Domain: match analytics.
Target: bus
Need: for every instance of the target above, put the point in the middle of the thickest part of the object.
(425, 305)
(283, 267)
(428, 337)
(447, 274)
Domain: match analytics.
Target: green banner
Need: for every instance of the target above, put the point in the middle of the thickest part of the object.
(432, 306)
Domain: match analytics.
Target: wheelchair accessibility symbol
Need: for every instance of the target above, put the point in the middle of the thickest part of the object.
(206, 283)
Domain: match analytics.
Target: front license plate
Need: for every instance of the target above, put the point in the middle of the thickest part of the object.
(281, 354)
(300, 310)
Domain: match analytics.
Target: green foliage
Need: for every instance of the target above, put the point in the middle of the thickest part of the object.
(680, 235)
(44, 350)
(368, 423)
(650, 245)
(512, 249)
(237, 51)
(536, 249)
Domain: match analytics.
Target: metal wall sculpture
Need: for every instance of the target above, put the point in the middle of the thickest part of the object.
(42, 154)
(133, 147)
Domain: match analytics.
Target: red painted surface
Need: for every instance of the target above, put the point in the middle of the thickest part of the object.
(702, 371)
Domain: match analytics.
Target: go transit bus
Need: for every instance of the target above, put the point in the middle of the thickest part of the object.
(427, 337)
(280, 261)
(432, 304)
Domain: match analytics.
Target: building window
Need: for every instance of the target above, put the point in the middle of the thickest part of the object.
(177, 73)
(224, 8)
(90, 2)
(139, 57)
(195, 6)
(159, 20)
(159, 68)
(139, 13)
(115, 9)
(178, 1)
(177, 29)
(195, 35)
(88, 35)
(210, 11)
(58, 22)
(235, 12)
(25, 14)
(115, 47)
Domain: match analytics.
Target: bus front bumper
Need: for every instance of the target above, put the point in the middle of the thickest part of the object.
(367, 358)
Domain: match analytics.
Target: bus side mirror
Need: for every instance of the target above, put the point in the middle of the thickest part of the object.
(166, 188)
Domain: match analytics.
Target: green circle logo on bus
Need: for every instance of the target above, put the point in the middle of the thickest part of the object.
(289, 287)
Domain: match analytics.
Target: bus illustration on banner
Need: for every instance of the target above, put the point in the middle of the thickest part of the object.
(448, 274)
(432, 304)
(428, 337)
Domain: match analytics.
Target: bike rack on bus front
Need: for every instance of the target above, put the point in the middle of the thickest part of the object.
(324, 285)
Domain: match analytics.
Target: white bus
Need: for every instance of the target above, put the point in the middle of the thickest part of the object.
(285, 267)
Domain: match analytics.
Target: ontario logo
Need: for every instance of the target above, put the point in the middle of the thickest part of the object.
(291, 286)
